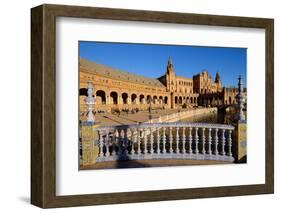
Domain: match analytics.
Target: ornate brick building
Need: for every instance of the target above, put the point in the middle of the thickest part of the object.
(117, 90)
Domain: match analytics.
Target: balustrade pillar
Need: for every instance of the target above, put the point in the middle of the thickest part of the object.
(132, 141)
(139, 142)
(151, 140)
(203, 141)
(229, 143)
(222, 142)
(126, 141)
(177, 140)
(145, 141)
(190, 141)
(158, 140)
(216, 142)
(107, 153)
(183, 140)
(164, 140)
(101, 144)
(196, 140)
(119, 141)
(171, 140)
(114, 143)
(210, 142)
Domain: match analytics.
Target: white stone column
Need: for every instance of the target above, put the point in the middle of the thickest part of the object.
(183, 140)
(229, 143)
(101, 144)
(196, 140)
(114, 143)
(158, 140)
(222, 142)
(216, 142)
(107, 153)
(119, 141)
(171, 140)
(145, 141)
(151, 140)
(203, 141)
(164, 140)
(177, 140)
(139, 142)
(132, 141)
(190, 141)
(210, 141)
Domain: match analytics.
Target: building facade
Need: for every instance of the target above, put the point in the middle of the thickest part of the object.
(119, 90)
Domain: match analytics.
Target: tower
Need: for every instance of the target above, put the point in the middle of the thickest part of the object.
(218, 82)
(171, 76)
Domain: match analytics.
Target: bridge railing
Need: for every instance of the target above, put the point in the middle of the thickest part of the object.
(178, 140)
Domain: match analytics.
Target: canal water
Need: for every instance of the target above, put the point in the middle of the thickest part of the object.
(221, 117)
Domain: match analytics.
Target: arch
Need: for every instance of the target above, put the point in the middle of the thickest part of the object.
(114, 97)
(142, 99)
(155, 99)
(187, 100)
(191, 100)
(101, 97)
(230, 101)
(161, 99)
(176, 100)
(148, 99)
(195, 100)
(134, 98)
(180, 100)
(125, 98)
(166, 100)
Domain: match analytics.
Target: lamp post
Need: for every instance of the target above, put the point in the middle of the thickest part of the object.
(150, 108)
(240, 100)
(90, 101)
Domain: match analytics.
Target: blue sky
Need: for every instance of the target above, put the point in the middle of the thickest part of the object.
(150, 60)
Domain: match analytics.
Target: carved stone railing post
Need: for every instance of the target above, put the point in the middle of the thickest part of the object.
(183, 140)
(158, 140)
(190, 141)
(151, 140)
(145, 141)
(222, 142)
(177, 140)
(164, 141)
(107, 153)
(114, 142)
(203, 141)
(119, 141)
(139, 142)
(196, 140)
(171, 140)
(210, 141)
(216, 141)
(126, 141)
(132, 141)
(101, 144)
(229, 143)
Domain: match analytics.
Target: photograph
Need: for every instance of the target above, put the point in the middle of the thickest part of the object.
(152, 105)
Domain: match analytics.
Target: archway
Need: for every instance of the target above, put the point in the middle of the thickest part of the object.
(134, 98)
(166, 100)
(155, 99)
(125, 98)
(114, 97)
(142, 99)
(100, 97)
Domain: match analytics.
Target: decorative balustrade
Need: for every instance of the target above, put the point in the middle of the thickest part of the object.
(179, 140)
